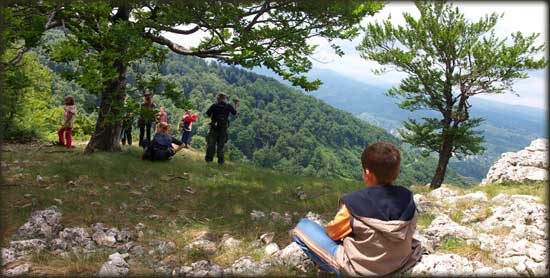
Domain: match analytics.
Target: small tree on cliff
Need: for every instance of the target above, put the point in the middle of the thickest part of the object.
(448, 60)
(106, 37)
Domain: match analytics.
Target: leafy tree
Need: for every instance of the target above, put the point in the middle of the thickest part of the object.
(448, 59)
(25, 95)
(15, 79)
(107, 37)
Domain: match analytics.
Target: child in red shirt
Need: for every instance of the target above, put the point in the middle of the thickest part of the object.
(186, 126)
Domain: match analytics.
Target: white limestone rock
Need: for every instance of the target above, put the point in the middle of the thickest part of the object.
(116, 266)
(17, 271)
(41, 224)
(442, 265)
(529, 164)
(271, 248)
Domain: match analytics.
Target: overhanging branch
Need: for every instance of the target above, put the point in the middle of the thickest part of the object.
(181, 32)
(180, 49)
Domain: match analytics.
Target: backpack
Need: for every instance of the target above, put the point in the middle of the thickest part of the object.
(220, 119)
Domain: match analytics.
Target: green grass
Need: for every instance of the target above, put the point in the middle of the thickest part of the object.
(222, 202)
(471, 251)
(538, 189)
(424, 220)
(533, 188)
(420, 189)
(73, 263)
(456, 215)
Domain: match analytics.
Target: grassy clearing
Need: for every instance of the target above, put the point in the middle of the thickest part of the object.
(174, 199)
(538, 189)
(535, 188)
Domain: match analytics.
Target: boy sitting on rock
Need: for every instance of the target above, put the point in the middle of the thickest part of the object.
(372, 233)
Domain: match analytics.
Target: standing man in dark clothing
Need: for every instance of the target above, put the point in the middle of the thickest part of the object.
(217, 136)
(146, 118)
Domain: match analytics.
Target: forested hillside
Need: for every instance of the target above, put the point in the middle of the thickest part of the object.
(278, 127)
(506, 127)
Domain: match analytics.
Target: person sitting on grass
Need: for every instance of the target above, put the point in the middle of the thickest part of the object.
(161, 147)
(372, 233)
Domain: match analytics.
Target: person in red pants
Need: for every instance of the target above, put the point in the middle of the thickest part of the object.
(65, 132)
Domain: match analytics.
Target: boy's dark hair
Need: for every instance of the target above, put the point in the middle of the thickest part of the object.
(383, 159)
(69, 100)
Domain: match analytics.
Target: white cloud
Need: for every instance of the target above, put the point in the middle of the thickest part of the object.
(532, 92)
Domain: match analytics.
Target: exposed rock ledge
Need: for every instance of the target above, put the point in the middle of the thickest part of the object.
(529, 164)
(503, 236)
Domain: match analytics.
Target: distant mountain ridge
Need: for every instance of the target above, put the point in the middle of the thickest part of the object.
(506, 127)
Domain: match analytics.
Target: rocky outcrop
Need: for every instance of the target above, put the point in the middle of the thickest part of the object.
(511, 237)
(201, 268)
(508, 240)
(529, 164)
(42, 224)
(246, 266)
(17, 271)
(293, 256)
(202, 245)
(73, 238)
(116, 266)
(43, 233)
(162, 248)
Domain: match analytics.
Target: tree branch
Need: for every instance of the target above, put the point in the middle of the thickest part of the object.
(181, 32)
(211, 53)
(18, 57)
(265, 8)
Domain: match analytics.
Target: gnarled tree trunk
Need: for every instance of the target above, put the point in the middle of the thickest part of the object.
(106, 136)
(444, 156)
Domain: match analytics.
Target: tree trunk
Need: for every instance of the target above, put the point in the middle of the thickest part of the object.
(106, 136)
(444, 156)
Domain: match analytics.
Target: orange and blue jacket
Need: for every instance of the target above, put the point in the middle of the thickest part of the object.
(376, 225)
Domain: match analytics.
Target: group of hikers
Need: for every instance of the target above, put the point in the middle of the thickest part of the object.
(372, 232)
(148, 117)
(161, 148)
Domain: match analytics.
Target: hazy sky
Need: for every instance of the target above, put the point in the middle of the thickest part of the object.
(527, 17)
